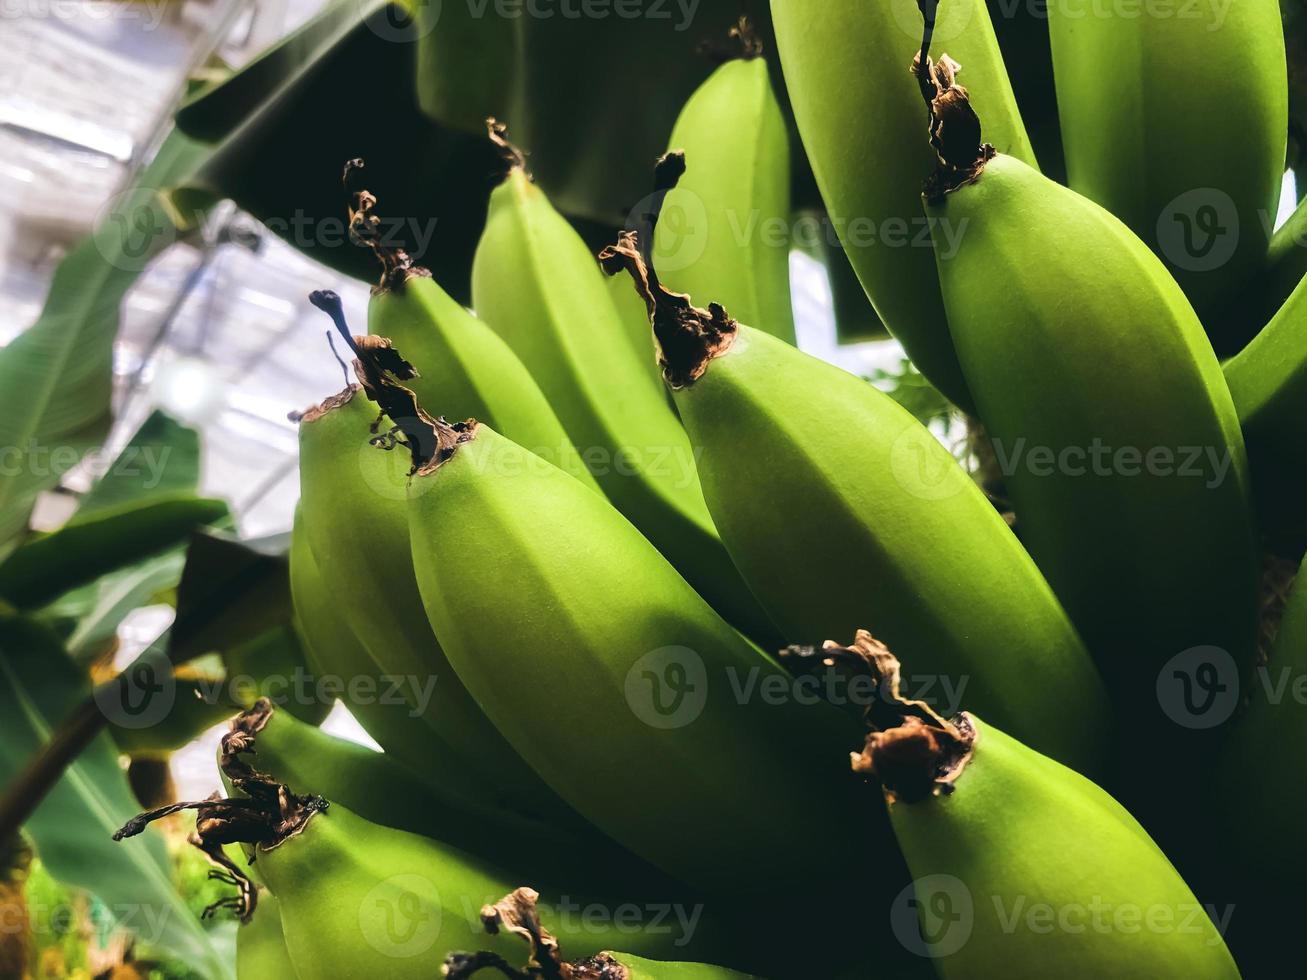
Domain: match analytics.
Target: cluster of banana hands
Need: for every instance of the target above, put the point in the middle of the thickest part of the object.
(616, 774)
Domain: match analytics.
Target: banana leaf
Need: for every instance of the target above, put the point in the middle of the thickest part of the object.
(73, 825)
(56, 378)
(104, 541)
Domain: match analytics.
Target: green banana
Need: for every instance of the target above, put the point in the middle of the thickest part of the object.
(726, 225)
(352, 498)
(868, 518)
(465, 366)
(538, 286)
(1110, 419)
(274, 664)
(357, 898)
(424, 801)
(1268, 381)
(662, 700)
(519, 915)
(333, 651)
(261, 946)
(1142, 101)
(1022, 867)
(859, 115)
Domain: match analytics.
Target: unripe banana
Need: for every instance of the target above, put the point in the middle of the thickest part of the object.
(726, 226)
(1109, 416)
(859, 115)
(868, 518)
(519, 915)
(1022, 867)
(657, 699)
(537, 284)
(358, 899)
(261, 946)
(1142, 101)
(1268, 381)
(425, 801)
(352, 498)
(464, 365)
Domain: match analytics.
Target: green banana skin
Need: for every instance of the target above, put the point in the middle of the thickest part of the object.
(869, 519)
(384, 791)
(1018, 832)
(860, 117)
(639, 968)
(276, 656)
(580, 620)
(358, 899)
(260, 946)
(1142, 101)
(353, 504)
(1268, 381)
(1067, 361)
(734, 199)
(468, 369)
(538, 286)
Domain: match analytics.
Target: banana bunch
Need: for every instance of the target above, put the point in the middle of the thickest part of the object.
(1143, 99)
(605, 536)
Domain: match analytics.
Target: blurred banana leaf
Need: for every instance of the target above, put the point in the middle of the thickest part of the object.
(411, 96)
(73, 826)
(56, 378)
(231, 592)
(104, 541)
(161, 458)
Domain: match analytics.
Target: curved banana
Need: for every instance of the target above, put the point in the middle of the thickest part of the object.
(860, 118)
(726, 226)
(1022, 867)
(869, 519)
(1142, 102)
(519, 915)
(1109, 417)
(463, 365)
(261, 946)
(535, 282)
(1268, 381)
(657, 698)
(352, 500)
